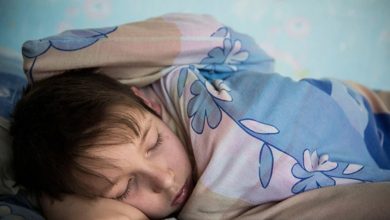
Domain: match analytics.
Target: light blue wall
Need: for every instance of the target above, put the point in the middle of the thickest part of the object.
(345, 39)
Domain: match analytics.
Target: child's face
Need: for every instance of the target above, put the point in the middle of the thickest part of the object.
(153, 174)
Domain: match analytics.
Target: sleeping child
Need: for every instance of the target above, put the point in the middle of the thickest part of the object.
(216, 137)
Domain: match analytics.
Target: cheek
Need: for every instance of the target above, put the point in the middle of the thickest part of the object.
(174, 149)
(178, 158)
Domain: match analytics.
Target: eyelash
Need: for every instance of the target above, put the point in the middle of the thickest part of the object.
(158, 142)
(126, 193)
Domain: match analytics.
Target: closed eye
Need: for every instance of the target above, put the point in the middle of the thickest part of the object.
(157, 143)
(129, 186)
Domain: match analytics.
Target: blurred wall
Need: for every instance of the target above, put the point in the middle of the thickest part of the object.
(345, 39)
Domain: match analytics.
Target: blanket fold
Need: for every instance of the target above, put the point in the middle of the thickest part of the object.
(137, 53)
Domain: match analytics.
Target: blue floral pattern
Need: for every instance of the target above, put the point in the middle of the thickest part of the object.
(201, 107)
(266, 163)
(226, 59)
(211, 97)
(67, 41)
(312, 175)
(18, 212)
(310, 180)
(6, 213)
(183, 78)
(220, 60)
(315, 172)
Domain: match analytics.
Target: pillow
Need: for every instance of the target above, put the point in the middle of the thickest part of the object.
(18, 207)
(12, 82)
(14, 203)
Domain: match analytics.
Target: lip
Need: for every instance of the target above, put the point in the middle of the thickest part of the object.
(182, 195)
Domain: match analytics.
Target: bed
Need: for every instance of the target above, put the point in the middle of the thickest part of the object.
(147, 59)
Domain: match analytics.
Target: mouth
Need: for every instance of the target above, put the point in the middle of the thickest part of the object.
(182, 195)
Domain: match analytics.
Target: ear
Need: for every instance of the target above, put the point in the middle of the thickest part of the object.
(156, 107)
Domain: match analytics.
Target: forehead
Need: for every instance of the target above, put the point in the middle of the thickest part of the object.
(123, 125)
(120, 124)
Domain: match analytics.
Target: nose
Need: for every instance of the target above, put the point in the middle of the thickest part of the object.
(161, 179)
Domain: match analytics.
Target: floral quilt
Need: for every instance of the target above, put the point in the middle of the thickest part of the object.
(256, 136)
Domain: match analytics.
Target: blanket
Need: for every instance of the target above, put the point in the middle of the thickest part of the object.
(257, 137)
